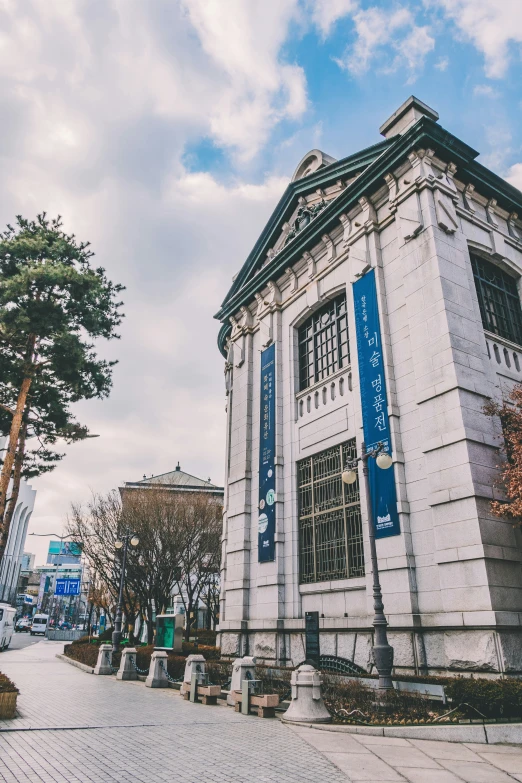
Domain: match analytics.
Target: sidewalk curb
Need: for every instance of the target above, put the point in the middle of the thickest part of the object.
(82, 666)
(487, 734)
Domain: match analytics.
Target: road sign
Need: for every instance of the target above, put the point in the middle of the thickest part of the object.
(67, 587)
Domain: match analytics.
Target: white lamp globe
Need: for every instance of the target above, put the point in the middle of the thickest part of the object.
(135, 541)
(384, 461)
(349, 476)
(118, 544)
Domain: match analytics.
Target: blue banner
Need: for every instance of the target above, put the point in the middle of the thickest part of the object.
(267, 485)
(374, 404)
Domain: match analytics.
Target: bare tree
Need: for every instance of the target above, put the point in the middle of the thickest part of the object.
(200, 521)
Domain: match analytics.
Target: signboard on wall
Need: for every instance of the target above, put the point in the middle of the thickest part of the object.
(374, 403)
(312, 638)
(267, 483)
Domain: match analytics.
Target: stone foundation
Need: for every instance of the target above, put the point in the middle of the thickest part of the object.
(434, 651)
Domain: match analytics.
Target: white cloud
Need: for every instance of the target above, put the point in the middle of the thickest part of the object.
(97, 111)
(514, 175)
(493, 26)
(259, 89)
(442, 64)
(485, 91)
(389, 37)
(325, 13)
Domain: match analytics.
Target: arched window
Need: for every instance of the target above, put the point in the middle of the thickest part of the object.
(498, 299)
(323, 343)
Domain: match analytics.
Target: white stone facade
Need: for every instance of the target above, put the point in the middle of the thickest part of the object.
(452, 581)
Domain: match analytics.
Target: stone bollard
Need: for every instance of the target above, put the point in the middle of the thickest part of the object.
(104, 662)
(242, 669)
(195, 665)
(127, 670)
(307, 705)
(157, 676)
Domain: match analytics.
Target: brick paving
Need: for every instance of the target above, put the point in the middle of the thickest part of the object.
(76, 728)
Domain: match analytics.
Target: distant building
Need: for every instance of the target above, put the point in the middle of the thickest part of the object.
(11, 564)
(175, 481)
(27, 561)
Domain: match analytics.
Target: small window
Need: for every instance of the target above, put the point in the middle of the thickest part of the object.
(330, 528)
(498, 299)
(323, 343)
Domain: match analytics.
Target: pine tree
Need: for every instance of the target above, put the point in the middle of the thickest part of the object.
(53, 303)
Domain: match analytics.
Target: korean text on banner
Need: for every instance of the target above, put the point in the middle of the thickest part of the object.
(374, 404)
(267, 486)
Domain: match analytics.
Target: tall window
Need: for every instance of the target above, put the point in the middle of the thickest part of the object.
(330, 529)
(498, 300)
(323, 343)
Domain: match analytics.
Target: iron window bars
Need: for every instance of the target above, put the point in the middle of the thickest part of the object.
(329, 514)
(323, 343)
(498, 299)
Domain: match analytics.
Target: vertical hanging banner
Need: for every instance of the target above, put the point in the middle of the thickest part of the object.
(267, 494)
(374, 404)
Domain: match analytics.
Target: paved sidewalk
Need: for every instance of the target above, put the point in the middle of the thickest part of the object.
(76, 728)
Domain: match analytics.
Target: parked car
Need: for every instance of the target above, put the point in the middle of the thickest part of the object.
(7, 616)
(39, 624)
(23, 624)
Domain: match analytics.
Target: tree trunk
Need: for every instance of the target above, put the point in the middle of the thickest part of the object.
(14, 435)
(17, 477)
(150, 625)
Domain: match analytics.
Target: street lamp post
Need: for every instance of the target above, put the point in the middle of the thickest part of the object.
(122, 543)
(382, 651)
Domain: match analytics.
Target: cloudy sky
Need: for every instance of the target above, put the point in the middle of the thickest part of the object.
(165, 131)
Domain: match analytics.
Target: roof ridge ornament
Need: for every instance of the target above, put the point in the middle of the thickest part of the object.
(305, 214)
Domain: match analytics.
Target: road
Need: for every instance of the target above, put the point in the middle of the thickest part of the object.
(22, 640)
(76, 728)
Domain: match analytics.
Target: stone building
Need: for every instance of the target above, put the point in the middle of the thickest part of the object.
(441, 237)
(11, 564)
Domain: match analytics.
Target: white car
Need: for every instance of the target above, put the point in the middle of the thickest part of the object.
(39, 624)
(23, 624)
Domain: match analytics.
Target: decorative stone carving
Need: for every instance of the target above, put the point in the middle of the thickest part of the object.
(368, 216)
(490, 212)
(330, 248)
(127, 670)
(294, 283)
(393, 190)
(157, 676)
(410, 217)
(104, 662)
(467, 197)
(447, 218)
(347, 228)
(312, 266)
(242, 669)
(422, 164)
(513, 230)
(305, 214)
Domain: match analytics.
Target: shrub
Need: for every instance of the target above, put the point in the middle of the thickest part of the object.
(492, 698)
(209, 653)
(176, 666)
(83, 653)
(274, 680)
(219, 672)
(6, 685)
(205, 636)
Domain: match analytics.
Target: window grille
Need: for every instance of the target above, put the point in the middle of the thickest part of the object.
(323, 343)
(498, 299)
(330, 528)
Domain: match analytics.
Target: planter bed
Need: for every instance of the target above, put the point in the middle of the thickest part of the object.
(8, 695)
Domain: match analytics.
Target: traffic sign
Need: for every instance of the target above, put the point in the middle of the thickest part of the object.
(67, 587)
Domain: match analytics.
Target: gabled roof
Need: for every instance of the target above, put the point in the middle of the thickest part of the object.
(175, 479)
(372, 163)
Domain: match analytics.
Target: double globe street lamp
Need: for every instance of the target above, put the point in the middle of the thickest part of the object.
(382, 651)
(122, 543)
